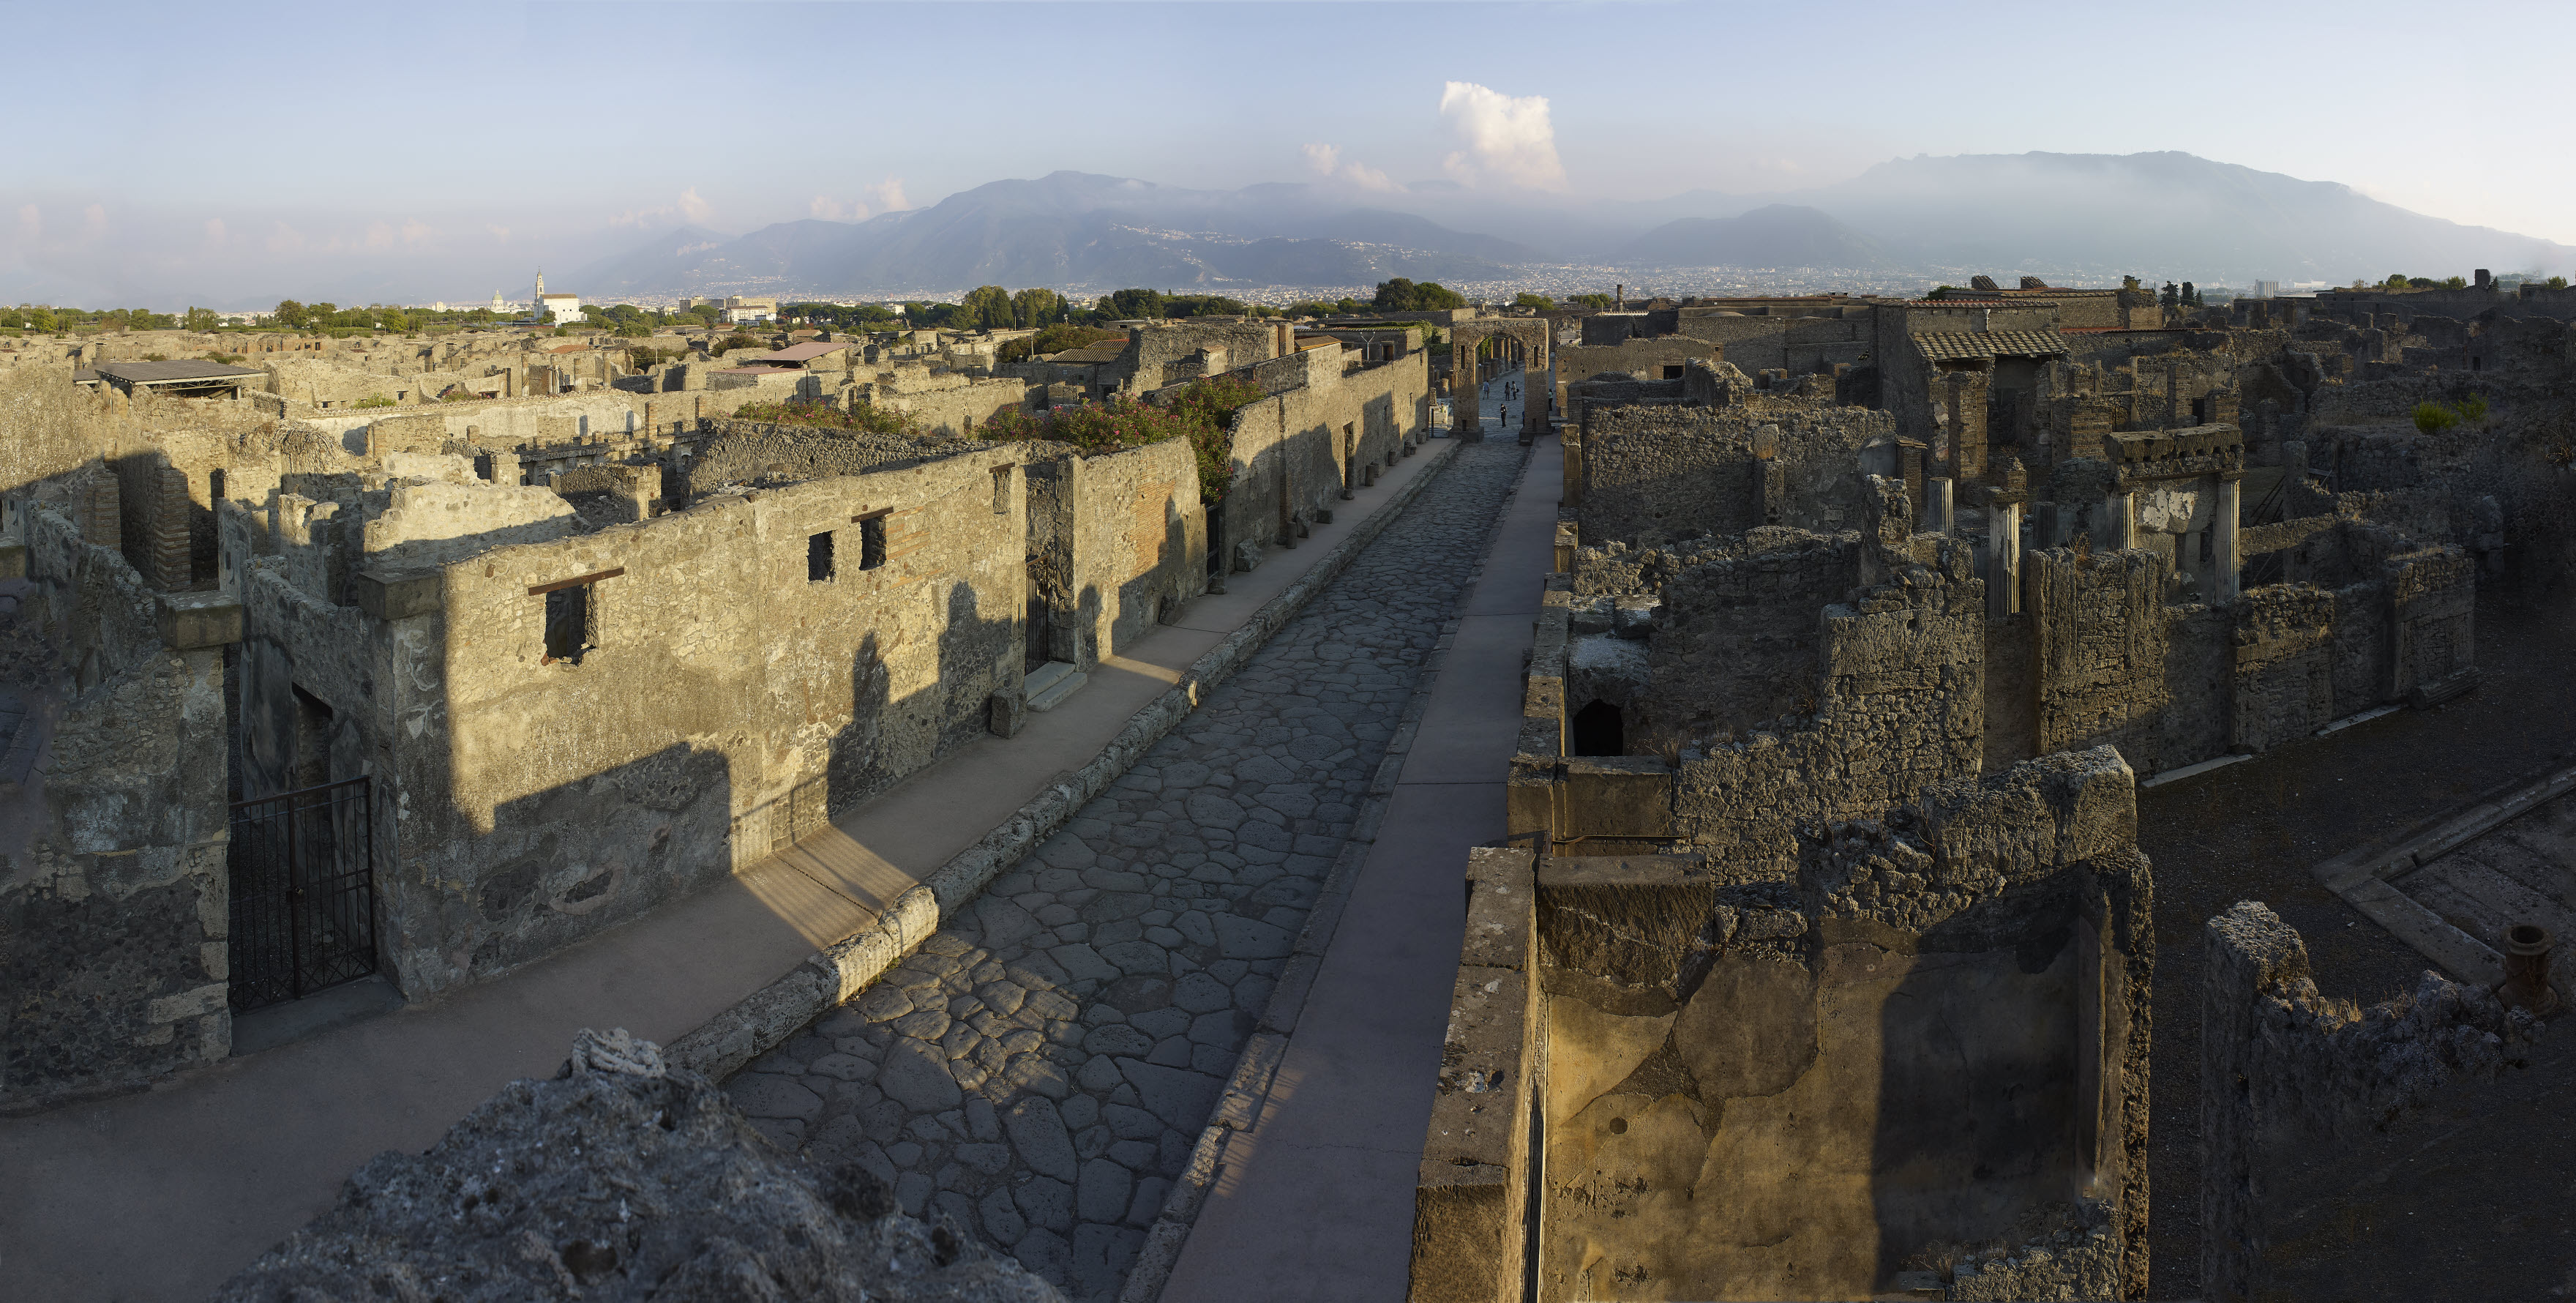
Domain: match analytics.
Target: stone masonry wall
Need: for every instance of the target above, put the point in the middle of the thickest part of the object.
(2284, 1070)
(1681, 470)
(113, 893)
(1851, 1079)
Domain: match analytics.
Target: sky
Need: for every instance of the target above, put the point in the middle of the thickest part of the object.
(235, 155)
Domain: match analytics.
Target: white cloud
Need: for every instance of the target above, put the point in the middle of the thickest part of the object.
(688, 208)
(380, 235)
(887, 195)
(1506, 137)
(1326, 160)
(500, 233)
(1367, 178)
(31, 223)
(214, 232)
(826, 208)
(93, 222)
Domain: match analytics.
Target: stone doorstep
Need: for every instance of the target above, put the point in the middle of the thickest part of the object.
(2361, 878)
(1239, 1105)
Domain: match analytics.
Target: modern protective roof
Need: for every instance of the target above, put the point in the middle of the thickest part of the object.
(801, 352)
(153, 373)
(1959, 345)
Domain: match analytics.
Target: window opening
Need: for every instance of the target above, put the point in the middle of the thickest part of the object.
(872, 541)
(312, 758)
(568, 623)
(1001, 490)
(818, 557)
(1599, 731)
(1672, 373)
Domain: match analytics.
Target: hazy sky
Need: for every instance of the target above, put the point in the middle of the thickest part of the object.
(166, 154)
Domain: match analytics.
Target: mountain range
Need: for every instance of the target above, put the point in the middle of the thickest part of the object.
(2084, 216)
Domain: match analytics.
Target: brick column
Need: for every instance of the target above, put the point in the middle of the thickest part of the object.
(169, 542)
(101, 514)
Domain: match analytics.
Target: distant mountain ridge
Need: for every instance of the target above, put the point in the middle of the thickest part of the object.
(2087, 216)
(1065, 228)
(1776, 235)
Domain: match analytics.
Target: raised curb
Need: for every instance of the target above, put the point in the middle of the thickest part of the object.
(1239, 1107)
(763, 1020)
(2361, 877)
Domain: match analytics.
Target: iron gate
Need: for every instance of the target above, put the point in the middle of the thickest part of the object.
(304, 893)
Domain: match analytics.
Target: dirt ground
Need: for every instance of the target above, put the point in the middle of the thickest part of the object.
(2481, 1210)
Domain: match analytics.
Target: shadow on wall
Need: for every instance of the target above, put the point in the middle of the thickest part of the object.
(1977, 1040)
(566, 861)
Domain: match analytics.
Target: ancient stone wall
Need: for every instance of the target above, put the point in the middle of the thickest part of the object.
(2285, 1069)
(568, 763)
(1295, 451)
(1723, 470)
(1868, 1071)
(113, 915)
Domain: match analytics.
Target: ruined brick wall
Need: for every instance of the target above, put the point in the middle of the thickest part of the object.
(959, 413)
(113, 891)
(727, 701)
(1292, 452)
(1900, 704)
(1925, 1027)
(1737, 644)
(1800, 345)
(1723, 470)
(745, 452)
(2284, 1070)
(1139, 543)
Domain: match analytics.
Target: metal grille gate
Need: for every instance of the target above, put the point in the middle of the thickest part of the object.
(303, 893)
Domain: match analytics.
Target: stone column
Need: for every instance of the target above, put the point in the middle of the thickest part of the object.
(2120, 511)
(1466, 392)
(2222, 539)
(1936, 507)
(2003, 557)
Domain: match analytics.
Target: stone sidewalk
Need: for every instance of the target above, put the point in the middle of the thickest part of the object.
(1041, 1069)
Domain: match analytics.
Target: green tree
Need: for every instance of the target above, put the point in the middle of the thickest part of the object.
(1203, 305)
(1539, 301)
(290, 314)
(2396, 281)
(2433, 418)
(1597, 302)
(2473, 408)
(1034, 308)
(985, 307)
(1127, 305)
(203, 319)
(2455, 282)
(2556, 282)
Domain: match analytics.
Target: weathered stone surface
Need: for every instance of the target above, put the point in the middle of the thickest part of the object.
(622, 1181)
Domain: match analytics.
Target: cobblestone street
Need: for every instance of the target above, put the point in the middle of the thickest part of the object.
(1041, 1068)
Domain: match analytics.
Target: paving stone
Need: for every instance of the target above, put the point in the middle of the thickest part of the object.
(1037, 1132)
(916, 1075)
(1102, 1195)
(1046, 1202)
(1003, 1224)
(770, 1095)
(1244, 938)
(1151, 1191)
(1178, 1096)
(1200, 993)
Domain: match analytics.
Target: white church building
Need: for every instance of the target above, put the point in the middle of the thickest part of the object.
(566, 307)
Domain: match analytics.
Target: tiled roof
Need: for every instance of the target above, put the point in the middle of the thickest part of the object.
(1105, 351)
(1948, 346)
